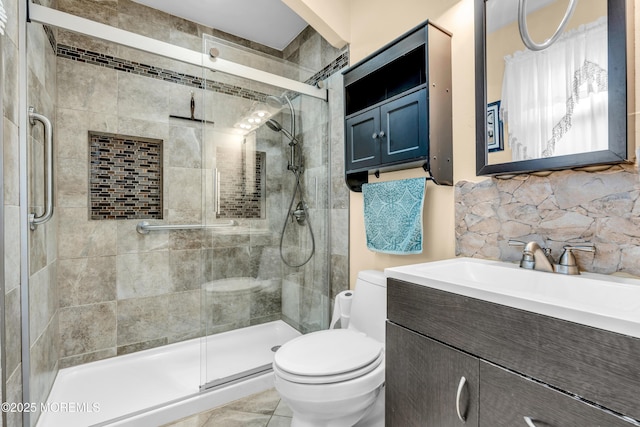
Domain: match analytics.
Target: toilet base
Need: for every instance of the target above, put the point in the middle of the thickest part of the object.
(371, 415)
(375, 416)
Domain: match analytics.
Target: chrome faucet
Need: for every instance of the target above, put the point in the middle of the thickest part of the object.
(535, 257)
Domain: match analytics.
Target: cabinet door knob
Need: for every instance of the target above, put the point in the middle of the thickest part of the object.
(529, 422)
(374, 136)
(461, 384)
(381, 134)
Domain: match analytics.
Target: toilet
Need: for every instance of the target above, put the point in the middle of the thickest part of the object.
(335, 377)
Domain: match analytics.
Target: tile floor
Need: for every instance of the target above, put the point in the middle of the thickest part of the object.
(259, 410)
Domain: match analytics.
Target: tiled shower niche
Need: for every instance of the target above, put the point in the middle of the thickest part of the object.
(242, 183)
(125, 179)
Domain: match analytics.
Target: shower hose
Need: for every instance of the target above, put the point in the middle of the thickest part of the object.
(296, 189)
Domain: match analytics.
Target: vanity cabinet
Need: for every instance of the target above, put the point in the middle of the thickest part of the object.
(557, 373)
(398, 108)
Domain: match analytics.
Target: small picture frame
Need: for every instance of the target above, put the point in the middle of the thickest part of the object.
(494, 128)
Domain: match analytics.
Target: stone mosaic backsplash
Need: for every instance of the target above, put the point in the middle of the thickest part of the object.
(566, 207)
(125, 177)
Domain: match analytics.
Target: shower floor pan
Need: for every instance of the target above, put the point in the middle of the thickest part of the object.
(160, 385)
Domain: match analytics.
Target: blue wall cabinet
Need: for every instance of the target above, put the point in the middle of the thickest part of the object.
(398, 108)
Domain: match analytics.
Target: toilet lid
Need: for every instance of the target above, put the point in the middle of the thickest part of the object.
(333, 352)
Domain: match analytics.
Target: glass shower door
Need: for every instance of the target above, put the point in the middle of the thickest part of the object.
(253, 300)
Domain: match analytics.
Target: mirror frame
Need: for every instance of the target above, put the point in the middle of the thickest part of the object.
(618, 131)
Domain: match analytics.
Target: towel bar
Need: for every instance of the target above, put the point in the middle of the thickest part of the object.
(144, 227)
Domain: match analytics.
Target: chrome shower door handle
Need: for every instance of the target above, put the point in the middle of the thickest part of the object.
(216, 191)
(462, 417)
(34, 220)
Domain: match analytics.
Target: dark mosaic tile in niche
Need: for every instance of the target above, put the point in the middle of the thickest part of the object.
(242, 183)
(125, 177)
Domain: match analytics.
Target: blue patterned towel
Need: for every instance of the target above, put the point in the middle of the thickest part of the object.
(393, 216)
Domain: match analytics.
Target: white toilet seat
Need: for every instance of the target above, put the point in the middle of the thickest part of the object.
(328, 379)
(327, 357)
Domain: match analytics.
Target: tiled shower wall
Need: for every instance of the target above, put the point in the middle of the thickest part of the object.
(122, 292)
(567, 207)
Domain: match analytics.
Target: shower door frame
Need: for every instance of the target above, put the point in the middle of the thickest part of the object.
(3, 356)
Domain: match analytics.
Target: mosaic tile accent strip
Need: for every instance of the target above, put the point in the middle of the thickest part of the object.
(242, 187)
(336, 65)
(124, 65)
(125, 177)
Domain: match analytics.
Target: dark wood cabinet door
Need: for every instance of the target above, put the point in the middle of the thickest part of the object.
(423, 380)
(363, 141)
(404, 123)
(507, 398)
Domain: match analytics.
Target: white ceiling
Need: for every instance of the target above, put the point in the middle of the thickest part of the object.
(268, 22)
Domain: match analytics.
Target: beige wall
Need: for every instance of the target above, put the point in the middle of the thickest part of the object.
(375, 23)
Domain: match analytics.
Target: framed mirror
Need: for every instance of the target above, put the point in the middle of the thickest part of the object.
(558, 108)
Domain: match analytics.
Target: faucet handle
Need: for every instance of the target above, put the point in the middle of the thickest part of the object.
(568, 259)
(584, 248)
(516, 243)
(567, 263)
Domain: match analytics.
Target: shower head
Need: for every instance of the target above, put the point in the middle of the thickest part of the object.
(277, 127)
(274, 125)
(277, 102)
(274, 101)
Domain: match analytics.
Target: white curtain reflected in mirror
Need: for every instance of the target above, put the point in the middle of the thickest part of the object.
(567, 85)
(553, 102)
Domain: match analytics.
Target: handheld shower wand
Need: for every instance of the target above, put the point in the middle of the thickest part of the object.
(300, 212)
(277, 127)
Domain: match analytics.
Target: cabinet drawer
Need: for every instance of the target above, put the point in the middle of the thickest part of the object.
(506, 398)
(424, 382)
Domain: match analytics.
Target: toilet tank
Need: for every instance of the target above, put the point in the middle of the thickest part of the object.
(369, 304)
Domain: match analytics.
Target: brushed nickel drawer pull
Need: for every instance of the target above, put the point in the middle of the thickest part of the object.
(463, 382)
(529, 422)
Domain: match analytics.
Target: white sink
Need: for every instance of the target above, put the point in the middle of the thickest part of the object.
(602, 301)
